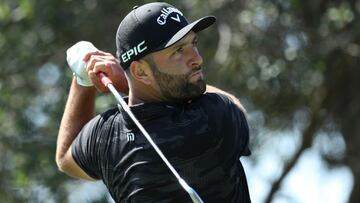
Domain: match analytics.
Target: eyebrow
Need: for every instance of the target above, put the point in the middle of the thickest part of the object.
(183, 42)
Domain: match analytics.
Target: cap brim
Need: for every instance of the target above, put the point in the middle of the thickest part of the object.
(195, 26)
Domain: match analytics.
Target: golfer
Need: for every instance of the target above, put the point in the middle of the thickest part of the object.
(201, 130)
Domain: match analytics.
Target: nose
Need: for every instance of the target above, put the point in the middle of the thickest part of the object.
(195, 58)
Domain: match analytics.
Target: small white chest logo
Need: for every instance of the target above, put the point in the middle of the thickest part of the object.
(130, 137)
(165, 12)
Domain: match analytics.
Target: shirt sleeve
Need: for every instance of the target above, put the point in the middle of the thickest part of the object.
(239, 124)
(229, 121)
(89, 147)
(84, 149)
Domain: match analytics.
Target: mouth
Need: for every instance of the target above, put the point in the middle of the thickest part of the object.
(197, 73)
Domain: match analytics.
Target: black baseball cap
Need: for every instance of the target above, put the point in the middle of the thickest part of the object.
(153, 27)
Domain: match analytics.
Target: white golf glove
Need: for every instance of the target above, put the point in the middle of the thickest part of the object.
(74, 57)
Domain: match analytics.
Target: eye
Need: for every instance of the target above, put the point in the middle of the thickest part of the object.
(179, 50)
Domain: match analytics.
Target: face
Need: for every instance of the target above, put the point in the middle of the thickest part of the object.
(177, 70)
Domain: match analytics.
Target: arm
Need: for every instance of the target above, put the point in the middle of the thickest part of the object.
(79, 110)
(80, 105)
(210, 88)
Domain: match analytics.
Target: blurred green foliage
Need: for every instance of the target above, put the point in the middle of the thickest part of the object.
(296, 62)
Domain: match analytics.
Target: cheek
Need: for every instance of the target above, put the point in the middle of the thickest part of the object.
(175, 67)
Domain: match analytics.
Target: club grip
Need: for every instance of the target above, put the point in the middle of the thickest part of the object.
(104, 79)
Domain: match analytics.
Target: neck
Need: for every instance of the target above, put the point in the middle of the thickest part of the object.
(143, 95)
(133, 100)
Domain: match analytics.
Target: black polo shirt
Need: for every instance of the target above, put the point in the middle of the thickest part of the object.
(202, 139)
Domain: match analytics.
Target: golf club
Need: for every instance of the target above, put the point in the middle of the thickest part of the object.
(108, 83)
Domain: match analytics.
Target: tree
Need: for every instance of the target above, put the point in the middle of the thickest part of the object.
(303, 55)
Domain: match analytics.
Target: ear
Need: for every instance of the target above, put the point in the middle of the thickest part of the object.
(140, 71)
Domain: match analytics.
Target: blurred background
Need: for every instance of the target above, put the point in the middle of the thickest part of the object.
(294, 65)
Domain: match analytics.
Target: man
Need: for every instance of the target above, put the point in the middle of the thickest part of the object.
(200, 129)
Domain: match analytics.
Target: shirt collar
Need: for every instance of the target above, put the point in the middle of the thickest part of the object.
(148, 111)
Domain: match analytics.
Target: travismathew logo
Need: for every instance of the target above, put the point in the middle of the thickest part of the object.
(130, 137)
(165, 12)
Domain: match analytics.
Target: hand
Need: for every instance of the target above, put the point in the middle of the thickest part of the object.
(99, 61)
(74, 57)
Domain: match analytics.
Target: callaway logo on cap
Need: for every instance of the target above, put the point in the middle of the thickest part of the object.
(153, 27)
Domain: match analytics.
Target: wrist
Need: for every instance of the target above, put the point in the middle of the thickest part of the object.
(81, 88)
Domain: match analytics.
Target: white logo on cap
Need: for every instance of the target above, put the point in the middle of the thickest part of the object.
(165, 12)
(133, 51)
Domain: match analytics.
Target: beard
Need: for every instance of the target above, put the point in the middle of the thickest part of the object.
(179, 88)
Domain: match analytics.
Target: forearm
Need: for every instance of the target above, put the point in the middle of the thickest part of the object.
(79, 110)
(210, 88)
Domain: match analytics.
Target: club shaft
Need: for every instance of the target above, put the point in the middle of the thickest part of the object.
(129, 112)
(192, 193)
